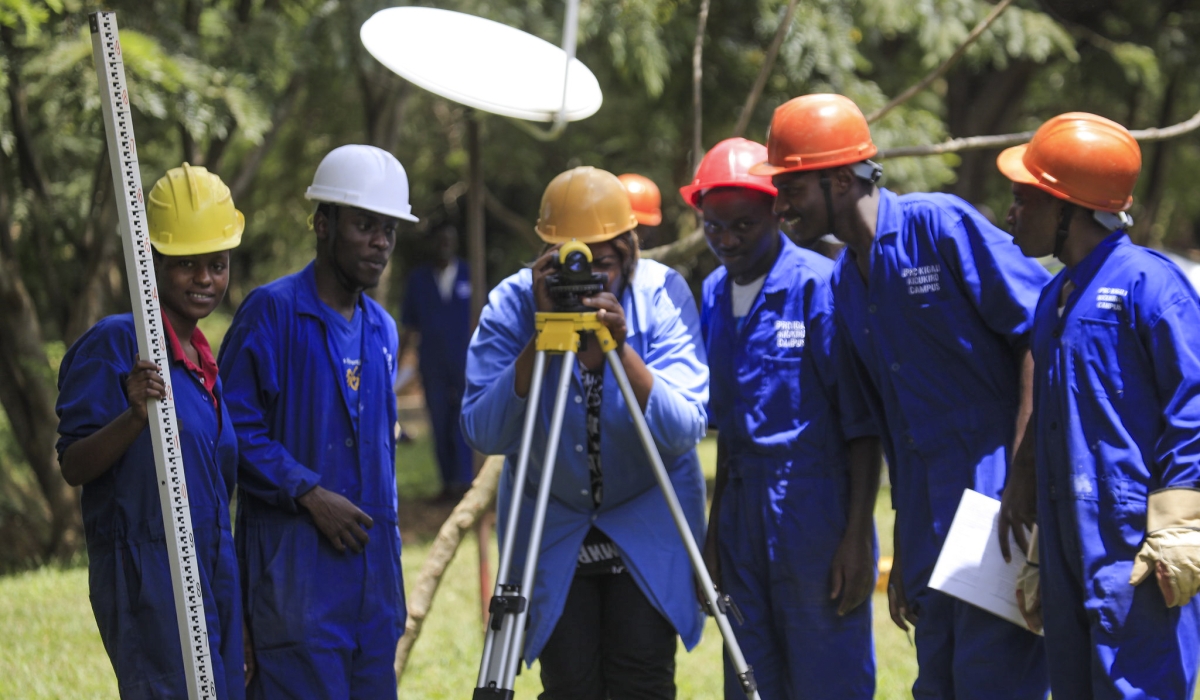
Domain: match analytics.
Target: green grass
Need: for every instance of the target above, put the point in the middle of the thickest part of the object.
(50, 647)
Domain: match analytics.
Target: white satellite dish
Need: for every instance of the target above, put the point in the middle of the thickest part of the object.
(482, 64)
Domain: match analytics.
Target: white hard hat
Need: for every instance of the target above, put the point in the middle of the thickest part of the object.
(365, 177)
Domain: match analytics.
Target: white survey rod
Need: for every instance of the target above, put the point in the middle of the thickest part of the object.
(152, 345)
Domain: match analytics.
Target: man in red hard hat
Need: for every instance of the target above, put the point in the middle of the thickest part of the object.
(1117, 403)
(935, 306)
(790, 536)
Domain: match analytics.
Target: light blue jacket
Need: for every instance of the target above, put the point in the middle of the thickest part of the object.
(664, 329)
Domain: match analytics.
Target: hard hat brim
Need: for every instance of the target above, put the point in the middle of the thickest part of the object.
(765, 169)
(691, 193)
(319, 194)
(648, 218)
(1011, 163)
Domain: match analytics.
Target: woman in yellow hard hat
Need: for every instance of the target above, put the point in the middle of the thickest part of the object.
(614, 587)
(105, 446)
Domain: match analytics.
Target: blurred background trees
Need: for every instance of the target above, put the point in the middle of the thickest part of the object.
(259, 90)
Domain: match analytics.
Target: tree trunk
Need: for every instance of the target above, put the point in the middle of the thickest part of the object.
(27, 394)
(983, 104)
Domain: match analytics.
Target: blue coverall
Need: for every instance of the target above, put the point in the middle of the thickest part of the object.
(1117, 413)
(937, 336)
(775, 399)
(129, 573)
(664, 329)
(324, 624)
(445, 328)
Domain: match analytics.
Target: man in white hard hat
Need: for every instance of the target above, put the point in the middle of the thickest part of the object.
(309, 363)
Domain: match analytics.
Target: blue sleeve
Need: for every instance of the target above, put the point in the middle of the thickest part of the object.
(250, 373)
(675, 356)
(1002, 284)
(1173, 341)
(835, 366)
(706, 310)
(492, 413)
(91, 384)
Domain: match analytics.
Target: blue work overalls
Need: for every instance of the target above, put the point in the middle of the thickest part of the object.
(445, 328)
(324, 624)
(664, 329)
(129, 574)
(784, 508)
(1117, 416)
(937, 335)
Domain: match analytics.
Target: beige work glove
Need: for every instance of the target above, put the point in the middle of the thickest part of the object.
(1029, 593)
(1172, 545)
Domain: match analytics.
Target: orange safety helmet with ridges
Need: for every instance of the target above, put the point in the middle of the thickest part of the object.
(1082, 158)
(728, 165)
(190, 211)
(644, 197)
(587, 204)
(816, 132)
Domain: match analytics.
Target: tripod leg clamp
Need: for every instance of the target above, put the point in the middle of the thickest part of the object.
(727, 607)
(506, 604)
(747, 680)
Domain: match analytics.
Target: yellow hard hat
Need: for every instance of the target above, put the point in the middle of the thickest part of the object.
(587, 204)
(190, 212)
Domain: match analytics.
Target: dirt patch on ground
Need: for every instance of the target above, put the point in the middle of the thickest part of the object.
(421, 520)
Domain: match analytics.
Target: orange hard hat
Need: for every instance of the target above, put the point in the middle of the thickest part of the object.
(585, 203)
(815, 132)
(644, 197)
(1083, 158)
(728, 165)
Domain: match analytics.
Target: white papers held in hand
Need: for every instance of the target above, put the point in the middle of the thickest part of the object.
(971, 567)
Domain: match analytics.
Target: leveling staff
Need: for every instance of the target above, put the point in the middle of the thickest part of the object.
(614, 583)
(105, 446)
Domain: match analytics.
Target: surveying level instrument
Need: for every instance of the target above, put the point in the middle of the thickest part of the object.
(559, 332)
(152, 345)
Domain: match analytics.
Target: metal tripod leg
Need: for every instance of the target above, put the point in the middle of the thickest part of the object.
(716, 604)
(509, 608)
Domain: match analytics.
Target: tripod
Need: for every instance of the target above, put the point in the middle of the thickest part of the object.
(559, 333)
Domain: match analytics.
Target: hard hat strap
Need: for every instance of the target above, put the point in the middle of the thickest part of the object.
(827, 187)
(1064, 225)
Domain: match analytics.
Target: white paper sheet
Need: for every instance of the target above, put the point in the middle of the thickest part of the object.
(971, 567)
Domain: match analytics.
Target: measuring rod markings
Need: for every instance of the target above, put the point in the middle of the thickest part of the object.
(152, 345)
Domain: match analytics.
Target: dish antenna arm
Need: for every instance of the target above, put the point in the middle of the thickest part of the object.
(570, 36)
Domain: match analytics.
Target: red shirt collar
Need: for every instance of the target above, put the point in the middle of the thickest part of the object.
(208, 364)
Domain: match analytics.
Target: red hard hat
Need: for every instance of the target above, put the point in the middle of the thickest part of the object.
(814, 132)
(1083, 158)
(644, 198)
(728, 165)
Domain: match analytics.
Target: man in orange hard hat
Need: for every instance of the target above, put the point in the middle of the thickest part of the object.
(1117, 402)
(790, 536)
(935, 306)
(646, 201)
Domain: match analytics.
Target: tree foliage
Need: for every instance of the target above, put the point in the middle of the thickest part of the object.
(259, 90)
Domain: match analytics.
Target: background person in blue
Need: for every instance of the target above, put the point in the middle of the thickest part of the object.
(936, 305)
(311, 362)
(791, 536)
(105, 447)
(614, 584)
(437, 317)
(1117, 408)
